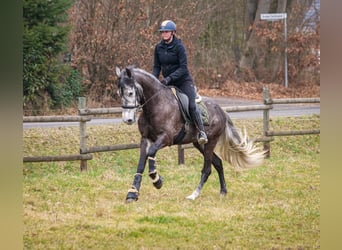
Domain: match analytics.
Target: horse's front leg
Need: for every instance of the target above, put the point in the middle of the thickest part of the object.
(157, 180)
(133, 192)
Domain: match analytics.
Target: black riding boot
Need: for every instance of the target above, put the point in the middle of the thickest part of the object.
(196, 117)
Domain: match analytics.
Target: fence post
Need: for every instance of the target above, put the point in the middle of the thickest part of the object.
(180, 155)
(266, 119)
(83, 134)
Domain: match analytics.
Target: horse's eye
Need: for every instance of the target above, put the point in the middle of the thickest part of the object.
(130, 94)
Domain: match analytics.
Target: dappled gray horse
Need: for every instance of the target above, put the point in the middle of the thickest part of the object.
(162, 124)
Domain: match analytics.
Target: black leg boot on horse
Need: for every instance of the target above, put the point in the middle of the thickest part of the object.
(197, 119)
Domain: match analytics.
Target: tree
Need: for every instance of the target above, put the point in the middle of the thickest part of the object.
(264, 46)
(109, 33)
(47, 81)
(225, 40)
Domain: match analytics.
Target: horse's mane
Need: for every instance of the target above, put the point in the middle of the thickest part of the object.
(148, 77)
(144, 73)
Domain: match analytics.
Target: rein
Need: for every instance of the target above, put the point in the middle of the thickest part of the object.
(149, 99)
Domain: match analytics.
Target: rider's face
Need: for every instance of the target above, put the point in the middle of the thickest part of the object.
(166, 35)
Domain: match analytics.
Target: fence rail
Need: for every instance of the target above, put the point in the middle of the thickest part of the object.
(86, 113)
(56, 119)
(287, 133)
(76, 157)
(111, 148)
(246, 108)
(292, 100)
(99, 111)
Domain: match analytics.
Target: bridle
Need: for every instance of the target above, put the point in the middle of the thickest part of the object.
(139, 101)
(136, 101)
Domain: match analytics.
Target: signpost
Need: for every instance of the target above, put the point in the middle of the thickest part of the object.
(276, 17)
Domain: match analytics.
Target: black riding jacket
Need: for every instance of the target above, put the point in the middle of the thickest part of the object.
(171, 60)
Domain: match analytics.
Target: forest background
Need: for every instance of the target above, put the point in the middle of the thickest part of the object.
(71, 48)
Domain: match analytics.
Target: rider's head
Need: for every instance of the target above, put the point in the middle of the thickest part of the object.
(167, 30)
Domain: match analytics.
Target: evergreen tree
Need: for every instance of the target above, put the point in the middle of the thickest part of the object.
(47, 81)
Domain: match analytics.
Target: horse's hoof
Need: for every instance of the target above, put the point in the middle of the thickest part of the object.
(131, 196)
(191, 197)
(130, 200)
(159, 183)
(223, 193)
(194, 195)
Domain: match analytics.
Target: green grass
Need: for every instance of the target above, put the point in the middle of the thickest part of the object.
(275, 206)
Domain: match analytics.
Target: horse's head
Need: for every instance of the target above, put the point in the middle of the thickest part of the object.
(130, 92)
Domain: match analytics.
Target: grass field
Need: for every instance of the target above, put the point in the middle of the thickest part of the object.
(275, 206)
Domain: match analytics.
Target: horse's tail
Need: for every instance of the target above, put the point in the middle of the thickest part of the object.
(235, 148)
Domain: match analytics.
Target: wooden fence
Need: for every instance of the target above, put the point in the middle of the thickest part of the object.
(85, 113)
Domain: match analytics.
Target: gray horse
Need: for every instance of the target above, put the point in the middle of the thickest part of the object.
(162, 124)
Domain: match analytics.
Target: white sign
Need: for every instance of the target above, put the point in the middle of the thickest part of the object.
(273, 16)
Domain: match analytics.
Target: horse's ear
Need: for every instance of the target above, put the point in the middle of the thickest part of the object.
(129, 72)
(118, 71)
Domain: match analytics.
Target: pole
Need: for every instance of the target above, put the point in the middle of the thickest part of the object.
(83, 134)
(180, 155)
(285, 30)
(266, 119)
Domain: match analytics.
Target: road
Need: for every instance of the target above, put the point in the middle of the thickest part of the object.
(278, 110)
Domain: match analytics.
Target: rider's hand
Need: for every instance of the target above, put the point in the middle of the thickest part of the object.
(166, 80)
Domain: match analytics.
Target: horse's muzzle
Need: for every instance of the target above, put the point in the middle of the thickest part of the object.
(129, 121)
(128, 116)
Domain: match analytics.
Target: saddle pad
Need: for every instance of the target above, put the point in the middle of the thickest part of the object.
(183, 102)
(204, 113)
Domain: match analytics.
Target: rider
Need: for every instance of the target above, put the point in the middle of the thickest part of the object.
(170, 58)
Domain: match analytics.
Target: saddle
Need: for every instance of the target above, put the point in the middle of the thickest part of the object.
(183, 102)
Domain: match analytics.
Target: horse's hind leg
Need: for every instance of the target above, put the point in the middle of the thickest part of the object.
(217, 162)
(206, 170)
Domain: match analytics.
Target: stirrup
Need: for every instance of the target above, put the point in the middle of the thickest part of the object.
(202, 138)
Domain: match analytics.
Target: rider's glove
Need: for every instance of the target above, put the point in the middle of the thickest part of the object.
(166, 80)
